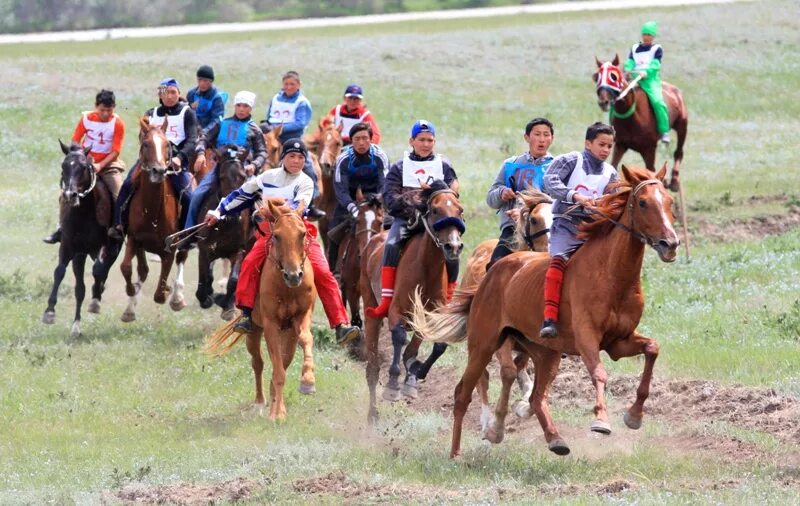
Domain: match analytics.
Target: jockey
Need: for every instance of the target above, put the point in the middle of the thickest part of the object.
(349, 113)
(403, 176)
(207, 101)
(573, 178)
(239, 130)
(181, 131)
(645, 59)
(290, 182)
(103, 131)
(517, 174)
(361, 165)
(290, 108)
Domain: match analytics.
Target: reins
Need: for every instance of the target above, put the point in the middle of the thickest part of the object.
(272, 255)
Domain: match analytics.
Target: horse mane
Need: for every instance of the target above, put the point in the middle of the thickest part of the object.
(612, 205)
(435, 186)
(532, 198)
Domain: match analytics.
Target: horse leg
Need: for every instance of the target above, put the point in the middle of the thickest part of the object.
(274, 346)
(521, 408)
(205, 277)
(100, 269)
(176, 299)
(477, 361)
(160, 295)
(619, 152)
(409, 358)
(372, 330)
(288, 342)
(425, 367)
(227, 266)
(649, 158)
(126, 267)
(508, 373)
(307, 380)
(391, 392)
(546, 362)
(227, 299)
(680, 127)
(591, 359)
(636, 344)
(64, 258)
(257, 361)
(78, 266)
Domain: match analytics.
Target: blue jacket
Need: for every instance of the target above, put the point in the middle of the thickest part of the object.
(353, 171)
(302, 116)
(517, 173)
(210, 106)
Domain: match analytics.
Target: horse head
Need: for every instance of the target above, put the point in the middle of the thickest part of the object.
(331, 138)
(288, 250)
(444, 218)
(370, 217)
(77, 173)
(534, 219)
(154, 150)
(609, 82)
(272, 140)
(231, 172)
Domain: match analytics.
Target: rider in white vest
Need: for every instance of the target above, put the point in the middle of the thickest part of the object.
(351, 112)
(573, 178)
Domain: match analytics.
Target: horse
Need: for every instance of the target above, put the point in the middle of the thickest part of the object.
(330, 145)
(440, 215)
(272, 142)
(227, 238)
(86, 216)
(505, 310)
(367, 223)
(154, 211)
(633, 119)
(286, 277)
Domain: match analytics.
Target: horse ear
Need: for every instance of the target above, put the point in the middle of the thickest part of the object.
(340, 127)
(278, 130)
(243, 154)
(598, 62)
(615, 61)
(273, 210)
(359, 195)
(661, 174)
(144, 124)
(64, 148)
(626, 173)
(87, 149)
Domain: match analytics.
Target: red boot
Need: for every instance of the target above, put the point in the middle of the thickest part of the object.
(388, 274)
(451, 290)
(552, 296)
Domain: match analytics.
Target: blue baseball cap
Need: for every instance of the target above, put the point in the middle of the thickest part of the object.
(354, 90)
(169, 81)
(422, 126)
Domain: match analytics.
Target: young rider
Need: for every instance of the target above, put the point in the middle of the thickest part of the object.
(207, 101)
(645, 59)
(350, 112)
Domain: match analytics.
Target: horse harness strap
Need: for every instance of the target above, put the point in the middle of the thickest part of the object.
(612, 113)
(272, 257)
(643, 238)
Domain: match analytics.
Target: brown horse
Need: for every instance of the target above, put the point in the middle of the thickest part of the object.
(507, 308)
(286, 277)
(422, 266)
(154, 211)
(86, 217)
(367, 224)
(227, 238)
(634, 120)
(330, 145)
(272, 141)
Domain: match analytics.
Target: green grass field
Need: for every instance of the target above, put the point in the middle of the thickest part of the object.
(136, 408)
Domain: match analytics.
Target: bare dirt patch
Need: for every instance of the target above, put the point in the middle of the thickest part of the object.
(748, 229)
(185, 494)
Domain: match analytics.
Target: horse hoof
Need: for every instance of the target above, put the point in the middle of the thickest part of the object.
(160, 299)
(206, 303)
(177, 305)
(94, 306)
(631, 422)
(128, 317)
(493, 436)
(307, 388)
(391, 394)
(49, 317)
(522, 409)
(410, 391)
(228, 314)
(601, 427)
(558, 446)
(372, 417)
(219, 299)
(76, 330)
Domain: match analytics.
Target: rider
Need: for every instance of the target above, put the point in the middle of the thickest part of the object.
(290, 182)
(239, 130)
(290, 108)
(103, 131)
(645, 59)
(207, 101)
(408, 174)
(180, 127)
(361, 165)
(573, 178)
(350, 112)
(517, 174)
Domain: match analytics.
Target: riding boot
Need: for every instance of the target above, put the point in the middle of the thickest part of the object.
(313, 213)
(245, 323)
(388, 274)
(53, 238)
(552, 296)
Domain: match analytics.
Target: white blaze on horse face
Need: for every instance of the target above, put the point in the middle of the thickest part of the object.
(449, 202)
(369, 219)
(159, 156)
(547, 215)
(671, 234)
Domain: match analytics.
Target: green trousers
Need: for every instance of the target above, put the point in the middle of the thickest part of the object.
(652, 87)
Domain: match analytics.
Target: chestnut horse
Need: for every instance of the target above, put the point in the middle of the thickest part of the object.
(286, 277)
(422, 266)
(227, 238)
(330, 146)
(153, 215)
(84, 224)
(633, 118)
(272, 142)
(506, 310)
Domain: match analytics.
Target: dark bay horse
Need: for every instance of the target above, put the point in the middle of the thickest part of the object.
(634, 121)
(421, 267)
(227, 238)
(603, 315)
(84, 225)
(154, 211)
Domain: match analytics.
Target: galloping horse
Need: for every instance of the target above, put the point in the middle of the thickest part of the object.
(330, 145)
(227, 238)
(422, 266)
(506, 310)
(273, 143)
(84, 226)
(634, 120)
(286, 277)
(153, 216)
(366, 224)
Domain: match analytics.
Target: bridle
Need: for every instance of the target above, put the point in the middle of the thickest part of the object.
(527, 236)
(444, 222)
(629, 205)
(93, 176)
(272, 255)
(170, 152)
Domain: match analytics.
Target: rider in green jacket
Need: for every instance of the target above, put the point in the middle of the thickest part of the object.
(645, 58)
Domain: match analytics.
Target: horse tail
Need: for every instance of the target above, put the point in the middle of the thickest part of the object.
(222, 340)
(444, 324)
